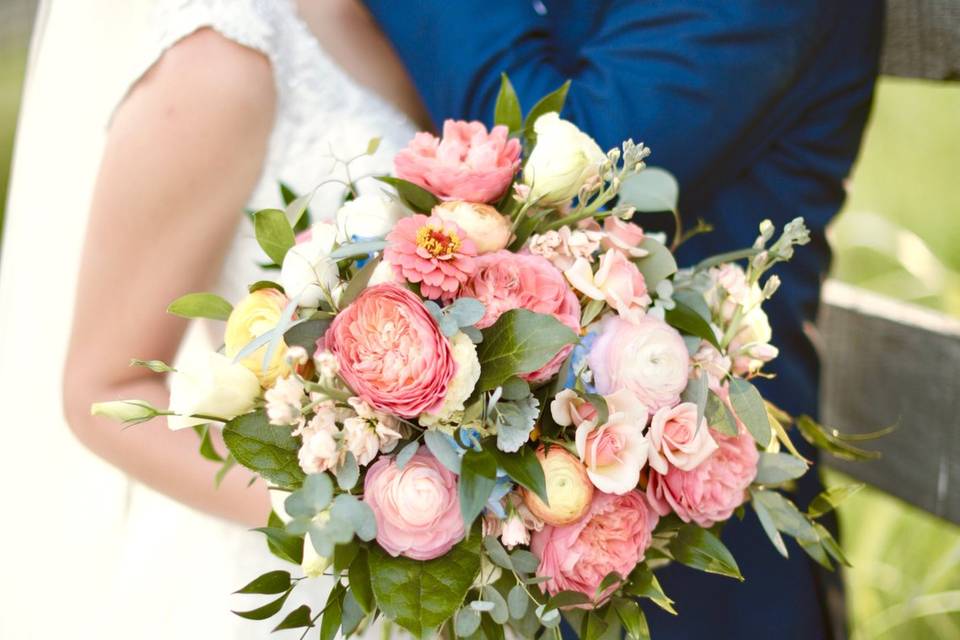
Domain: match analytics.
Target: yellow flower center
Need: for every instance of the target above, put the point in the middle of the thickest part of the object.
(437, 242)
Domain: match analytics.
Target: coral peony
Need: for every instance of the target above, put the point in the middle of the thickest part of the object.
(613, 536)
(647, 357)
(710, 492)
(568, 489)
(503, 281)
(417, 508)
(390, 351)
(467, 164)
(432, 252)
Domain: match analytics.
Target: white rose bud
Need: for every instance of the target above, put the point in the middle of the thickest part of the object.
(563, 160)
(483, 224)
(308, 271)
(124, 410)
(368, 216)
(313, 565)
(210, 384)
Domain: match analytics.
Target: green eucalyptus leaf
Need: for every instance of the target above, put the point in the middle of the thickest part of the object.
(650, 191)
(274, 233)
(312, 498)
(354, 249)
(657, 265)
(358, 514)
(700, 549)
(500, 613)
(507, 110)
(305, 334)
(478, 476)
(405, 454)
(353, 614)
(496, 553)
(348, 473)
(775, 468)
(749, 406)
(687, 320)
(442, 449)
(414, 196)
(201, 305)
(467, 622)
(785, 515)
(422, 595)
(696, 392)
(466, 311)
(359, 282)
(518, 602)
(520, 341)
(296, 209)
(524, 561)
(267, 449)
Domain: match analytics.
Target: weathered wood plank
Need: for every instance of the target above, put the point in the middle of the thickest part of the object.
(922, 39)
(887, 363)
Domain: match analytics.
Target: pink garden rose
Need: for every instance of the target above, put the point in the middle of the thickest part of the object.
(615, 451)
(432, 252)
(710, 492)
(390, 351)
(417, 508)
(647, 357)
(613, 536)
(617, 281)
(503, 281)
(676, 438)
(467, 164)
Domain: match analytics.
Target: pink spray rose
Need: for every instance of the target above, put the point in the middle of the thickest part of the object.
(503, 281)
(433, 252)
(467, 164)
(623, 236)
(647, 357)
(613, 536)
(417, 508)
(390, 351)
(677, 439)
(710, 492)
(617, 281)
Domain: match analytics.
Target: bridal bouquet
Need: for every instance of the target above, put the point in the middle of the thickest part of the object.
(491, 398)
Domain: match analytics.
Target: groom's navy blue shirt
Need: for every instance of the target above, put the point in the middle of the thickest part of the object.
(756, 106)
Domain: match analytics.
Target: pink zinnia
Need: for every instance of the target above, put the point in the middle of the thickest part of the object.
(613, 536)
(710, 492)
(433, 252)
(390, 351)
(503, 281)
(467, 164)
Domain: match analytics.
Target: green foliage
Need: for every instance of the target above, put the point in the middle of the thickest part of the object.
(701, 549)
(414, 196)
(523, 467)
(269, 583)
(650, 191)
(201, 305)
(750, 408)
(719, 416)
(507, 112)
(421, 596)
(775, 468)
(657, 265)
(264, 448)
(478, 476)
(687, 320)
(274, 233)
(299, 618)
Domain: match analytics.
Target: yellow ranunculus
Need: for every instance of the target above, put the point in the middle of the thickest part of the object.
(256, 314)
(568, 488)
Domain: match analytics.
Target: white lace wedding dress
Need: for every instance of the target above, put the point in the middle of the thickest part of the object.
(168, 571)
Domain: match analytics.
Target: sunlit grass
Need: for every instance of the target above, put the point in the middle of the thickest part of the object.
(12, 61)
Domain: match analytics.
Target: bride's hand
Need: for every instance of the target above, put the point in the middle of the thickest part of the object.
(183, 154)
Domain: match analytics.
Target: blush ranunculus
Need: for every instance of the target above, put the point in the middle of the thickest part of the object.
(489, 229)
(676, 438)
(466, 164)
(503, 281)
(613, 536)
(431, 252)
(615, 451)
(647, 357)
(617, 282)
(417, 508)
(710, 492)
(391, 352)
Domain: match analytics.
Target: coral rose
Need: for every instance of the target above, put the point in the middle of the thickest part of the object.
(710, 492)
(390, 351)
(647, 357)
(613, 536)
(568, 488)
(417, 508)
(503, 281)
(467, 164)
(432, 252)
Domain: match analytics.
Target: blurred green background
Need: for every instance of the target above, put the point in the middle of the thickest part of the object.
(897, 235)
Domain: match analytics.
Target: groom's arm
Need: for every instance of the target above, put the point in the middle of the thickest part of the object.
(687, 77)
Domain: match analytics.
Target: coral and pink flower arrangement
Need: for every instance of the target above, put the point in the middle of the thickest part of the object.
(497, 401)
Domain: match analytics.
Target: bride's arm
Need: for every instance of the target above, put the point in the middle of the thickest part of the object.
(183, 154)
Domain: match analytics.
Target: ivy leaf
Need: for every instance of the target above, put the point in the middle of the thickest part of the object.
(478, 476)
(269, 583)
(421, 596)
(412, 195)
(264, 448)
(687, 320)
(507, 112)
(774, 468)
(658, 265)
(520, 341)
(700, 549)
(299, 618)
(749, 407)
(274, 233)
(201, 305)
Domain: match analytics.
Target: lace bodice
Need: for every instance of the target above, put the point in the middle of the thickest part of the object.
(322, 114)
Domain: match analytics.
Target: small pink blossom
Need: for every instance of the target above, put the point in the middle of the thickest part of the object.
(432, 252)
(284, 400)
(513, 532)
(390, 351)
(625, 237)
(562, 247)
(504, 281)
(613, 536)
(417, 508)
(320, 450)
(677, 439)
(466, 164)
(618, 282)
(710, 492)
(360, 439)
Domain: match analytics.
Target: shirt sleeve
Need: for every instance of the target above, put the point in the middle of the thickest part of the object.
(686, 77)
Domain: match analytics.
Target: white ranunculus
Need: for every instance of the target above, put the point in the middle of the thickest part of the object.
(382, 273)
(368, 216)
(308, 271)
(210, 384)
(563, 160)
